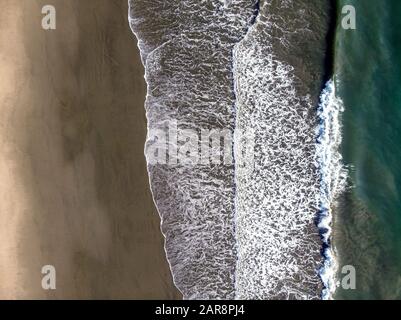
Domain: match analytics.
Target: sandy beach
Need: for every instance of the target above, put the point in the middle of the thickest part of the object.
(73, 182)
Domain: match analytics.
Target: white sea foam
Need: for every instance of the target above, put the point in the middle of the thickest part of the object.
(244, 233)
(276, 204)
(186, 47)
(333, 178)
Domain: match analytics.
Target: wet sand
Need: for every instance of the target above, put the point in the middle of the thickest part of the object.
(73, 182)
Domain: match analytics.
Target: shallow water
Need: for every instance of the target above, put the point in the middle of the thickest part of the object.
(255, 68)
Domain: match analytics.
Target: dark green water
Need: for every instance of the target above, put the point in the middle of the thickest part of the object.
(368, 222)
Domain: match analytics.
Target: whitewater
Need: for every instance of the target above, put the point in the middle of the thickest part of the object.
(333, 178)
(241, 231)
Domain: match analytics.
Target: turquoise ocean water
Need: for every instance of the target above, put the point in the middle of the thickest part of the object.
(367, 226)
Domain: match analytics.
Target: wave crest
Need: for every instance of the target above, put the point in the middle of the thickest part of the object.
(333, 177)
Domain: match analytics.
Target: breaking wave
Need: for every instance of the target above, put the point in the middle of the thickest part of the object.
(333, 178)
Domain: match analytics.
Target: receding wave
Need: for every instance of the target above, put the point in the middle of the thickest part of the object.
(187, 49)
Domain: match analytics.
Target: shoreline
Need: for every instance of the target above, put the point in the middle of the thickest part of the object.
(143, 62)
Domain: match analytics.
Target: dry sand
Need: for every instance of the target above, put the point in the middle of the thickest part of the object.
(73, 184)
